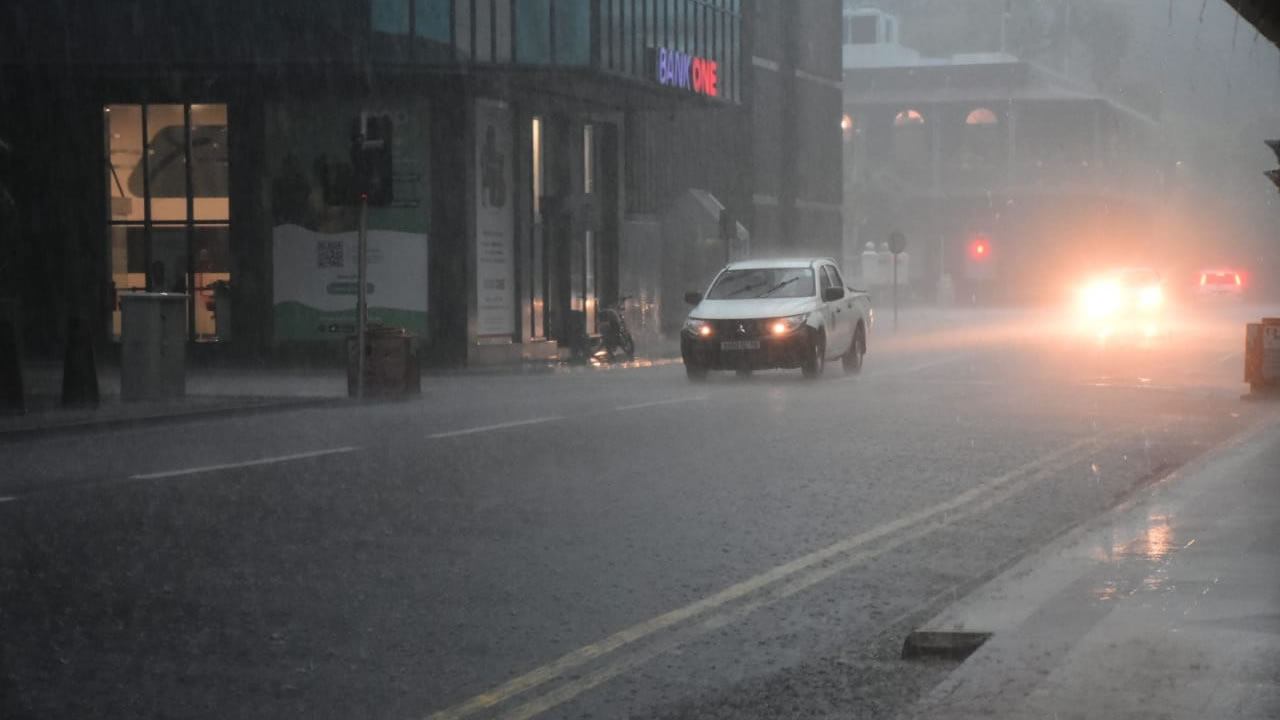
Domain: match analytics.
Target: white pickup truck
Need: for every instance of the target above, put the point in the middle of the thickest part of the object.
(762, 314)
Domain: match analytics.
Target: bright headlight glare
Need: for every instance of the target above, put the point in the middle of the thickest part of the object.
(783, 326)
(1151, 297)
(698, 327)
(1100, 299)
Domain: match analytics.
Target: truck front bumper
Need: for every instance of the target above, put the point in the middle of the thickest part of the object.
(713, 353)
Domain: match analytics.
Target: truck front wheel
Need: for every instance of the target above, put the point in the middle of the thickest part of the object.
(814, 364)
(852, 359)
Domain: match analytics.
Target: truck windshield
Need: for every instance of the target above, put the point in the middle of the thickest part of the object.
(762, 282)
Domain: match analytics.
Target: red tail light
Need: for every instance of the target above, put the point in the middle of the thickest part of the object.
(1238, 281)
(1203, 279)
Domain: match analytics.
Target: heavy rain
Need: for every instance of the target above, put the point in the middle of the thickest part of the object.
(653, 359)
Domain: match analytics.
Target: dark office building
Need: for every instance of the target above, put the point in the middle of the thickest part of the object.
(537, 158)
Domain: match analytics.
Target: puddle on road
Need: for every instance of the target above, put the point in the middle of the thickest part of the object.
(1147, 542)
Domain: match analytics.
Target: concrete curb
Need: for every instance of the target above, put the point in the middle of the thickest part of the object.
(266, 405)
(941, 637)
(1055, 642)
(549, 368)
(162, 418)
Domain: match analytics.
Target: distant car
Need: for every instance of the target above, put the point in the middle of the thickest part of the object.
(763, 314)
(1227, 284)
(1124, 304)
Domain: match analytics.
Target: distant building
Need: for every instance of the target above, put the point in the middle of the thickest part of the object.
(986, 150)
(536, 156)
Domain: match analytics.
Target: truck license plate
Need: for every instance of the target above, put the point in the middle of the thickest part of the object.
(740, 345)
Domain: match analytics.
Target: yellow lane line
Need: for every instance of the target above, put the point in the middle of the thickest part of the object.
(553, 670)
(570, 690)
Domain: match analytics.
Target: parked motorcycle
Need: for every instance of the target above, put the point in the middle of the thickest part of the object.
(615, 343)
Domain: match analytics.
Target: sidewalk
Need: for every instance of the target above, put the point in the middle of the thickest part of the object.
(226, 390)
(209, 392)
(1167, 607)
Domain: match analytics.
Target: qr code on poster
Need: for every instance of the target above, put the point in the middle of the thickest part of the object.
(329, 254)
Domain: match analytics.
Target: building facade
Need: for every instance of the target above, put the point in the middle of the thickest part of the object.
(532, 155)
(1003, 176)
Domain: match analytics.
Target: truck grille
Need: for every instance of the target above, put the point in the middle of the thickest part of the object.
(733, 329)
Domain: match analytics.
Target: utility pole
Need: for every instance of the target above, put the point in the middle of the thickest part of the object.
(371, 165)
(897, 244)
(362, 294)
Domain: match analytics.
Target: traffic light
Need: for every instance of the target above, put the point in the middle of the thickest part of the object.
(371, 158)
(979, 263)
(1274, 174)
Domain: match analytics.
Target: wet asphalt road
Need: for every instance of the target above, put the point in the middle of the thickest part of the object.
(615, 543)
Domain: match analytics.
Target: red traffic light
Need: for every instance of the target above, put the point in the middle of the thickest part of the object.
(980, 248)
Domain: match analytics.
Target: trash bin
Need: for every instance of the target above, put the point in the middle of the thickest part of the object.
(391, 363)
(153, 345)
(1262, 356)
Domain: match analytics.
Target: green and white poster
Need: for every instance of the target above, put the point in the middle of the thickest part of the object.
(314, 222)
(316, 281)
(495, 237)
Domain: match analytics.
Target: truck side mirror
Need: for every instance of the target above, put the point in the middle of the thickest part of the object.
(832, 294)
(693, 298)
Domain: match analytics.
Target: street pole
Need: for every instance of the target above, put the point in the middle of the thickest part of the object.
(895, 291)
(362, 296)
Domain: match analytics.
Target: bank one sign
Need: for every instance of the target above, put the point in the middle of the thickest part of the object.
(687, 72)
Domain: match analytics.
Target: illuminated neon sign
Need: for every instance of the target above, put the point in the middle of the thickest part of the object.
(687, 72)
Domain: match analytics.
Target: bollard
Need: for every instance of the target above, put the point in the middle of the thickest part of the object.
(391, 364)
(79, 370)
(12, 397)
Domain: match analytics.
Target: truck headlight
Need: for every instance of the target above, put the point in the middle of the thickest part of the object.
(1100, 299)
(694, 326)
(787, 325)
(1150, 298)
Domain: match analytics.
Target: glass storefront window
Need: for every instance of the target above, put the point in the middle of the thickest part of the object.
(163, 178)
(483, 32)
(390, 23)
(462, 32)
(502, 32)
(209, 162)
(168, 223)
(124, 154)
(431, 19)
(573, 33)
(533, 32)
(390, 16)
(210, 269)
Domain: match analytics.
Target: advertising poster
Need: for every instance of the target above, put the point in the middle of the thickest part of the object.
(316, 281)
(495, 252)
(315, 220)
